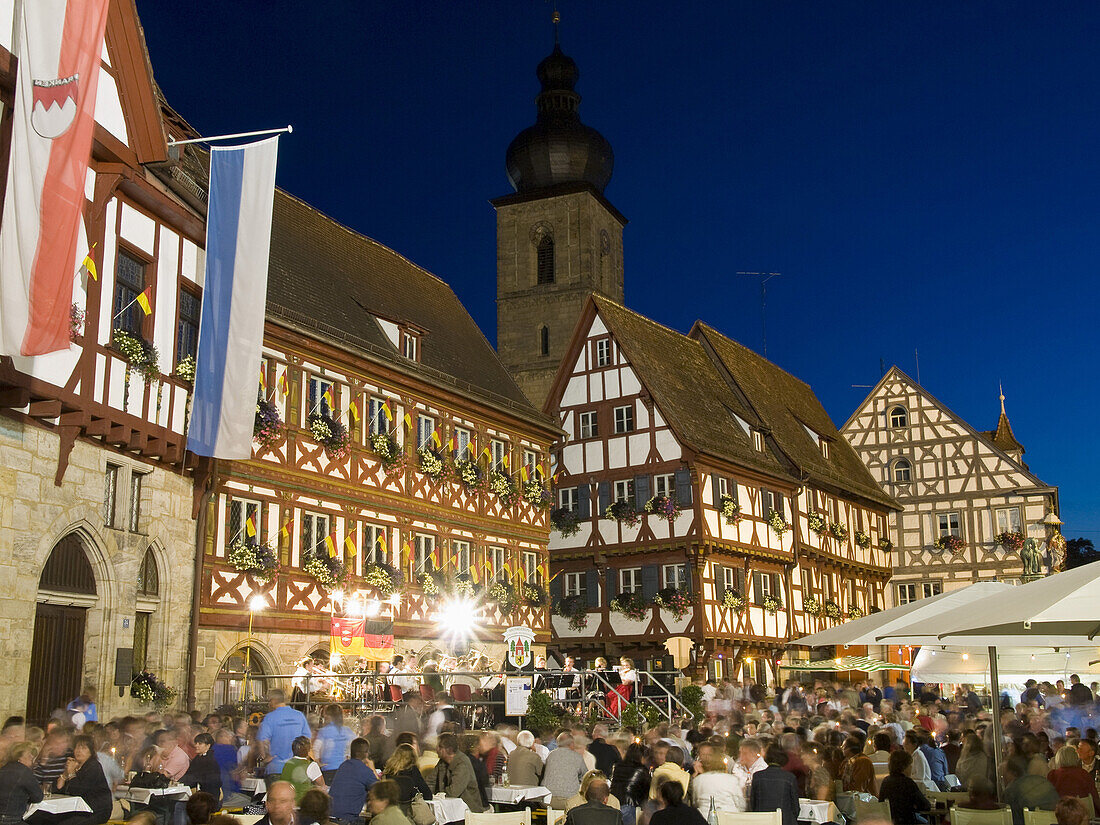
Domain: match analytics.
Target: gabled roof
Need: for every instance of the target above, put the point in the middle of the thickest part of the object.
(687, 388)
(788, 406)
(129, 53)
(1003, 437)
(331, 283)
(988, 438)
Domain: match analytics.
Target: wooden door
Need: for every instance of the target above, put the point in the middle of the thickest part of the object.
(57, 660)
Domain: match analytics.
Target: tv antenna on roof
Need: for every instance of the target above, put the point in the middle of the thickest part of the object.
(764, 278)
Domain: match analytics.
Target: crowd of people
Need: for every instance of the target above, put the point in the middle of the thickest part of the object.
(752, 749)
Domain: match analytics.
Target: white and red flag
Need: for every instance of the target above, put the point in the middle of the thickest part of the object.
(58, 44)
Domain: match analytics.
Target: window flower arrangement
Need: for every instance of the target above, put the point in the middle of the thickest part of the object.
(816, 522)
(469, 475)
(389, 452)
(674, 600)
(770, 604)
(732, 600)
(185, 369)
(431, 464)
(503, 595)
(812, 605)
(731, 510)
(838, 531)
(855, 612)
(463, 585)
(1012, 541)
(148, 689)
(565, 521)
(832, 609)
(267, 430)
(630, 605)
(383, 578)
(863, 539)
(328, 572)
(257, 560)
(623, 512)
(663, 506)
(503, 487)
(885, 545)
(575, 609)
(532, 594)
(778, 523)
(141, 354)
(330, 434)
(536, 494)
(76, 322)
(952, 543)
(429, 584)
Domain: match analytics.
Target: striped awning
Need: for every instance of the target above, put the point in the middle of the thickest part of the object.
(862, 663)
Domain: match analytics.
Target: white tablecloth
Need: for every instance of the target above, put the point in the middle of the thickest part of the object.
(144, 795)
(813, 810)
(59, 804)
(500, 795)
(451, 809)
(253, 785)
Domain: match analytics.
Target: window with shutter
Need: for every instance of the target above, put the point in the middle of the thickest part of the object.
(584, 501)
(641, 491)
(592, 588)
(683, 487)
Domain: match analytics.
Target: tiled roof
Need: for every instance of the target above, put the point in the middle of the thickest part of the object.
(1004, 438)
(332, 282)
(687, 388)
(787, 406)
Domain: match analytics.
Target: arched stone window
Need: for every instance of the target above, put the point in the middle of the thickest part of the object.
(148, 583)
(68, 569)
(544, 252)
(544, 340)
(898, 418)
(902, 471)
(229, 686)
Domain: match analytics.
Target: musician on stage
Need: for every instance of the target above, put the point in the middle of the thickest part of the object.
(301, 681)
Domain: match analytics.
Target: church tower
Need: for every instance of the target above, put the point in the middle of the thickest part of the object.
(558, 238)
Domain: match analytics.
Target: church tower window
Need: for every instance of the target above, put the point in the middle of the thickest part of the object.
(544, 340)
(545, 255)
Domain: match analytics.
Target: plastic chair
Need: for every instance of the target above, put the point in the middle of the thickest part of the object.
(970, 816)
(395, 693)
(1039, 817)
(511, 818)
(463, 693)
(875, 810)
(750, 817)
(427, 693)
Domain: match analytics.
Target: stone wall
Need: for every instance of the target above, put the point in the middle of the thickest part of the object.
(35, 514)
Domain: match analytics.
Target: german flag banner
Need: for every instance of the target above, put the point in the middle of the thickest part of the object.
(367, 639)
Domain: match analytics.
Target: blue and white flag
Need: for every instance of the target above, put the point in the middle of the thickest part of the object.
(231, 329)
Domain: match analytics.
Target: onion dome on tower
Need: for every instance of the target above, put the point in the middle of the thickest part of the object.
(558, 149)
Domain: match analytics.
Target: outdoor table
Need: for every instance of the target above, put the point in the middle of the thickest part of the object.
(816, 810)
(254, 786)
(145, 796)
(448, 809)
(58, 804)
(514, 794)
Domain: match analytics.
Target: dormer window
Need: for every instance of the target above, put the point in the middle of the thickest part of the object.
(410, 344)
(824, 448)
(758, 441)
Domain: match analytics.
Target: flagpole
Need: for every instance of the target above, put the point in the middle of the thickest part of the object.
(288, 129)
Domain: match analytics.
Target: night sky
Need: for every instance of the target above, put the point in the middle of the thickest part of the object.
(924, 175)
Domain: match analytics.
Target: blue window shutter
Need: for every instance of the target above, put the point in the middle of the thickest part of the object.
(687, 578)
(584, 501)
(605, 497)
(683, 487)
(612, 584)
(765, 506)
(779, 504)
(715, 491)
(733, 490)
(649, 581)
(641, 491)
(555, 591)
(592, 587)
(719, 581)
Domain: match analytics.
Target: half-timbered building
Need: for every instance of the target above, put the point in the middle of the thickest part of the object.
(361, 339)
(973, 511)
(97, 539)
(702, 492)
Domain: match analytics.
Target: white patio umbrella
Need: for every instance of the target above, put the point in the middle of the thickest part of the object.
(868, 629)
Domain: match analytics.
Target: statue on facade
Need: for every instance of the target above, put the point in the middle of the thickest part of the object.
(1032, 559)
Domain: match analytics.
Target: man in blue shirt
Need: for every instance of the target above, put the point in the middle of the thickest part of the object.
(937, 762)
(349, 786)
(280, 727)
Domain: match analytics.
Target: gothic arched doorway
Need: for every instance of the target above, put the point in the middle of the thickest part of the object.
(66, 590)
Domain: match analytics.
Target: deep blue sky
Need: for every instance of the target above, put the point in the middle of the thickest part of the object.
(925, 175)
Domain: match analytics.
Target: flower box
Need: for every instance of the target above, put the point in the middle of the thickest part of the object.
(630, 605)
(257, 560)
(565, 522)
(730, 509)
(330, 434)
(623, 512)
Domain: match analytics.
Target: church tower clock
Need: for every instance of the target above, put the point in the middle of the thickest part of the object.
(558, 237)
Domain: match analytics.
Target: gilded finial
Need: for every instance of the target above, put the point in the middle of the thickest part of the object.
(556, 19)
(1002, 390)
